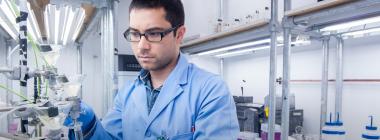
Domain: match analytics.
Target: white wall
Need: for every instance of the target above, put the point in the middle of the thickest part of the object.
(359, 99)
(122, 20)
(92, 84)
(210, 64)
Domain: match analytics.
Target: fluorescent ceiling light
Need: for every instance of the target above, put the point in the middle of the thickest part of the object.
(8, 29)
(241, 52)
(9, 23)
(69, 25)
(33, 25)
(46, 21)
(79, 25)
(56, 24)
(361, 32)
(235, 47)
(6, 9)
(7, 19)
(247, 51)
(351, 24)
(63, 23)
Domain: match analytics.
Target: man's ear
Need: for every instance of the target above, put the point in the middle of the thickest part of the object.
(180, 34)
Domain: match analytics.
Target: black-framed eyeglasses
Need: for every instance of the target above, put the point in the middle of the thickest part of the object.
(151, 36)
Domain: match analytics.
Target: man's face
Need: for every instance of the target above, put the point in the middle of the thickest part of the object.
(154, 56)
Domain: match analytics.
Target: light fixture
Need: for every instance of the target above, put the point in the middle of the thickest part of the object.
(249, 50)
(79, 25)
(33, 26)
(242, 52)
(46, 22)
(350, 24)
(362, 32)
(8, 19)
(57, 16)
(258, 42)
(9, 23)
(63, 23)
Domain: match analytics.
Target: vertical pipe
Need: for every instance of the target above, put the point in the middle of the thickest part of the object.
(115, 51)
(104, 59)
(108, 55)
(339, 77)
(22, 20)
(324, 82)
(221, 68)
(9, 96)
(79, 67)
(286, 75)
(273, 71)
(221, 9)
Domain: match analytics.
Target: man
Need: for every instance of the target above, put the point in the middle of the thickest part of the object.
(171, 98)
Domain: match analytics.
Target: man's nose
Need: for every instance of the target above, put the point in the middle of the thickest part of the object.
(143, 43)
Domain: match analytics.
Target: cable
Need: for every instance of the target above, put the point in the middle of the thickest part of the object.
(16, 93)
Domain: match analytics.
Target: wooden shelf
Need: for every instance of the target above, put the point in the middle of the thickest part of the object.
(316, 7)
(255, 30)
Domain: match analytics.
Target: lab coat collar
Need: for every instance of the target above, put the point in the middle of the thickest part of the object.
(143, 75)
(172, 87)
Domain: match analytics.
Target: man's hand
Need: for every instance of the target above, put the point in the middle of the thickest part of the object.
(86, 117)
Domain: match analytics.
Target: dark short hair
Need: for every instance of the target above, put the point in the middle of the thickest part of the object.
(175, 13)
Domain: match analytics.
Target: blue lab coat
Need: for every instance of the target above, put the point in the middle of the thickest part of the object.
(192, 104)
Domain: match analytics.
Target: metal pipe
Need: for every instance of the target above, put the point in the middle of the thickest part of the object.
(220, 19)
(273, 67)
(4, 70)
(104, 59)
(79, 67)
(221, 68)
(339, 77)
(108, 51)
(38, 130)
(286, 75)
(23, 57)
(221, 9)
(115, 51)
(324, 82)
(9, 96)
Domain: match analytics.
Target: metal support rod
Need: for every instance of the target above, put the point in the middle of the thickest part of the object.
(286, 75)
(5, 70)
(38, 130)
(116, 50)
(273, 62)
(324, 82)
(108, 55)
(339, 77)
(104, 59)
(9, 96)
(220, 19)
(22, 19)
(221, 67)
(23, 46)
(221, 9)
(79, 66)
